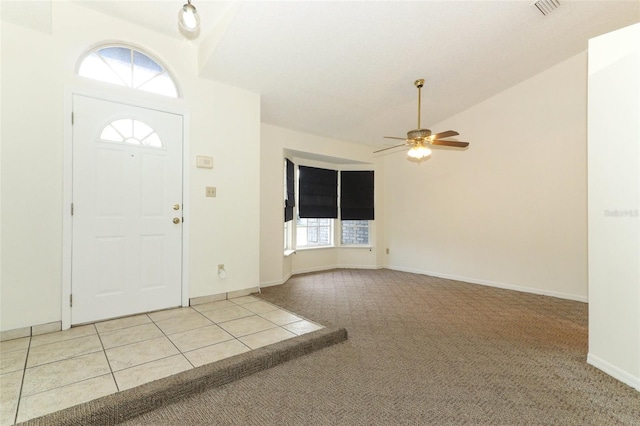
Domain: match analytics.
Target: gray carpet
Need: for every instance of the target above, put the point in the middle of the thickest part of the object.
(421, 351)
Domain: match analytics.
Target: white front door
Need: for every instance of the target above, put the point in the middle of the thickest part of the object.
(127, 210)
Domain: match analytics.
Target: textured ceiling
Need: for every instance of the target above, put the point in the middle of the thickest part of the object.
(345, 69)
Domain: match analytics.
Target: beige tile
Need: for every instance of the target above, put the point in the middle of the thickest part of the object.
(248, 325)
(302, 327)
(183, 323)
(206, 307)
(15, 334)
(280, 317)
(50, 327)
(62, 350)
(72, 333)
(121, 323)
(216, 352)
(267, 337)
(9, 395)
(200, 337)
(228, 314)
(126, 336)
(151, 371)
(14, 345)
(260, 307)
(60, 373)
(170, 313)
(139, 353)
(13, 361)
(244, 299)
(66, 396)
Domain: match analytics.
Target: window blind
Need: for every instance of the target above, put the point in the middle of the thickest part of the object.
(290, 200)
(318, 193)
(356, 195)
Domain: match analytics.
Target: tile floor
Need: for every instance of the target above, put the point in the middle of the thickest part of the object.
(45, 373)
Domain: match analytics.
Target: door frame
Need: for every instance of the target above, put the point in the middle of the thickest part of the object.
(67, 224)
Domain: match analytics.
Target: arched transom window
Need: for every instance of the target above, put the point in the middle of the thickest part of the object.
(130, 131)
(128, 67)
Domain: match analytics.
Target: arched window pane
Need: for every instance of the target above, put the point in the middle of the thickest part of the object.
(130, 131)
(161, 85)
(141, 130)
(143, 62)
(110, 134)
(125, 66)
(94, 67)
(124, 127)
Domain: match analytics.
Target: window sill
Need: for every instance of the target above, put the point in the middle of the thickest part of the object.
(288, 253)
(314, 248)
(354, 246)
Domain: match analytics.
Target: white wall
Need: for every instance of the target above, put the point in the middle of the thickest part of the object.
(509, 211)
(307, 149)
(614, 204)
(36, 69)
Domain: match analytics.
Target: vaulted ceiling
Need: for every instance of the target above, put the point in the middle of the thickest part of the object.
(345, 69)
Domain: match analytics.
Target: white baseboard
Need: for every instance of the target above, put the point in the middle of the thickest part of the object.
(330, 267)
(613, 371)
(276, 282)
(532, 290)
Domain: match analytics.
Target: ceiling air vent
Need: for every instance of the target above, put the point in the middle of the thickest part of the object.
(546, 6)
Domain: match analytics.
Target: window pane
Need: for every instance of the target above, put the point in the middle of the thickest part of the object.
(110, 134)
(355, 232)
(162, 85)
(143, 62)
(119, 59)
(97, 69)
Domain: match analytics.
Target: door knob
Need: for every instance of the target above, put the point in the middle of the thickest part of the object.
(176, 220)
(176, 206)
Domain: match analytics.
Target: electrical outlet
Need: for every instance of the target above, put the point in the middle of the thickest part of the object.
(210, 191)
(387, 250)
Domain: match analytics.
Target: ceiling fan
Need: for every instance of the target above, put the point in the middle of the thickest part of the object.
(418, 139)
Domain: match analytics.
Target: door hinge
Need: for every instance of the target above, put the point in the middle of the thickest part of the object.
(71, 300)
(72, 119)
(71, 209)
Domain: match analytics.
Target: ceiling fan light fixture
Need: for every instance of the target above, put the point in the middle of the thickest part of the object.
(188, 18)
(419, 151)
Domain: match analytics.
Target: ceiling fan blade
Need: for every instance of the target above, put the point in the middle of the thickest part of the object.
(391, 147)
(393, 137)
(450, 143)
(446, 134)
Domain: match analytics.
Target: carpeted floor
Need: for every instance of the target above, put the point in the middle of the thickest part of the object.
(421, 350)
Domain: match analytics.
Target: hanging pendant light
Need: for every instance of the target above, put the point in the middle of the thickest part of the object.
(188, 18)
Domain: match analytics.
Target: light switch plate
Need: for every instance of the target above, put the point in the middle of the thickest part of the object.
(204, 162)
(210, 191)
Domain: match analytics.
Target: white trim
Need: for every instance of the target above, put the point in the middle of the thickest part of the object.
(613, 371)
(276, 282)
(487, 283)
(330, 267)
(67, 196)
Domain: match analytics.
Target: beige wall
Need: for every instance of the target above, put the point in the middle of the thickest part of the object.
(37, 67)
(614, 204)
(311, 150)
(510, 211)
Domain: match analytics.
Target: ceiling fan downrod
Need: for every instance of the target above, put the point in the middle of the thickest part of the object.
(419, 83)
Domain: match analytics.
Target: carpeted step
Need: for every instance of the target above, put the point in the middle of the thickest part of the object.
(121, 406)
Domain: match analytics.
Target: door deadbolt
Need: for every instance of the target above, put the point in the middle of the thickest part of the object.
(176, 220)
(176, 206)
